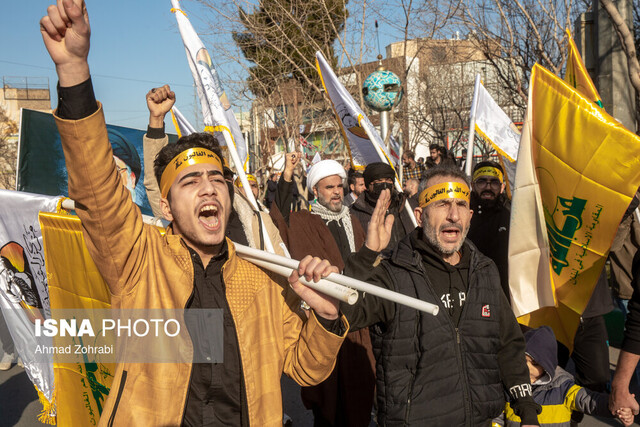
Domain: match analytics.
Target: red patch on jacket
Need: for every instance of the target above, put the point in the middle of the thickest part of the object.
(486, 311)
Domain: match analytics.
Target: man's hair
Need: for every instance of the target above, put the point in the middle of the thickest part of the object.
(442, 170)
(490, 164)
(410, 154)
(195, 140)
(353, 178)
(433, 147)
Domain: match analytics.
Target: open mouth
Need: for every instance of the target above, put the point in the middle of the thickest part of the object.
(208, 217)
(451, 234)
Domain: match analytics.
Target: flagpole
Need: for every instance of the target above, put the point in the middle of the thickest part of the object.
(472, 126)
(384, 158)
(218, 117)
(245, 184)
(284, 266)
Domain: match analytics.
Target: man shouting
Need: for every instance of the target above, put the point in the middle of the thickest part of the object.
(191, 266)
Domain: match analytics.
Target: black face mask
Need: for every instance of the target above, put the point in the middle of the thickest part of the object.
(378, 187)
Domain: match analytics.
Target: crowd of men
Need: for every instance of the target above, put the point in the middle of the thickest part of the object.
(443, 239)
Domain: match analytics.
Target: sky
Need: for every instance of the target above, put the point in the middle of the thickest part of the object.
(135, 46)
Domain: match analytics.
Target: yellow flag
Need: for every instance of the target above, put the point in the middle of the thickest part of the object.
(576, 74)
(74, 282)
(588, 169)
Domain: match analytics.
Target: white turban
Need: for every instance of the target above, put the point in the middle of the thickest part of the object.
(323, 169)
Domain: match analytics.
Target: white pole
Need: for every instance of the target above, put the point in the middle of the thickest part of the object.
(472, 126)
(384, 159)
(245, 183)
(327, 287)
(252, 255)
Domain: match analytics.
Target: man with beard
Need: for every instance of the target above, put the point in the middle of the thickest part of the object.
(489, 229)
(410, 168)
(377, 177)
(410, 189)
(451, 369)
(190, 266)
(330, 231)
(355, 186)
(435, 157)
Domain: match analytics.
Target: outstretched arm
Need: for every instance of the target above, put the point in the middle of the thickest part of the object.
(159, 102)
(284, 195)
(111, 221)
(369, 309)
(620, 396)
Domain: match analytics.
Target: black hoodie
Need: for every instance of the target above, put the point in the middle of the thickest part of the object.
(450, 282)
(543, 348)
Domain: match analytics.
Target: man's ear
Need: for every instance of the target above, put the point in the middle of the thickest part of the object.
(504, 185)
(417, 212)
(166, 209)
(315, 191)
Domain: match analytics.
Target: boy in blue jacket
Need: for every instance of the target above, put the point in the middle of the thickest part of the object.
(555, 389)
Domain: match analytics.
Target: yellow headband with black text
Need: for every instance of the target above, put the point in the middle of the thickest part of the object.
(446, 190)
(190, 157)
(488, 170)
(250, 177)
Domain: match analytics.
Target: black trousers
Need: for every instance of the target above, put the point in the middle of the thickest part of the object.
(590, 354)
(5, 336)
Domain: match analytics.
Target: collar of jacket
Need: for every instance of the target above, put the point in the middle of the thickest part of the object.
(178, 248)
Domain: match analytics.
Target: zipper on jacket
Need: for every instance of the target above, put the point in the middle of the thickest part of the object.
(458, 346)
(465, 385)
(413, 376)
(123, 380)
(186, 397)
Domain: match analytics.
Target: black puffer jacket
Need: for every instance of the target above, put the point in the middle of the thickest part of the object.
(430, 370)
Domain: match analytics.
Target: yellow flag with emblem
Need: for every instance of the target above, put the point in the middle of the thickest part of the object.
(74, 282)
(587, 168)
(576, 74)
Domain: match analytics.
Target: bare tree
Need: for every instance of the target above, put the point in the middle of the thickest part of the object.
(627, 39)
(522, 33)
(284, 84)
(275, 45)
(8, 151)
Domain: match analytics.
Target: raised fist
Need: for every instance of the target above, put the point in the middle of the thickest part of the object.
(66, 33)
(159, 101)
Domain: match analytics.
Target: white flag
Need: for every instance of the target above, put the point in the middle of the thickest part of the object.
(216, 109)
(182, 125)
(355, 126)
(496, 127)
(24, 296)
(529, 268)
(352, 120)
